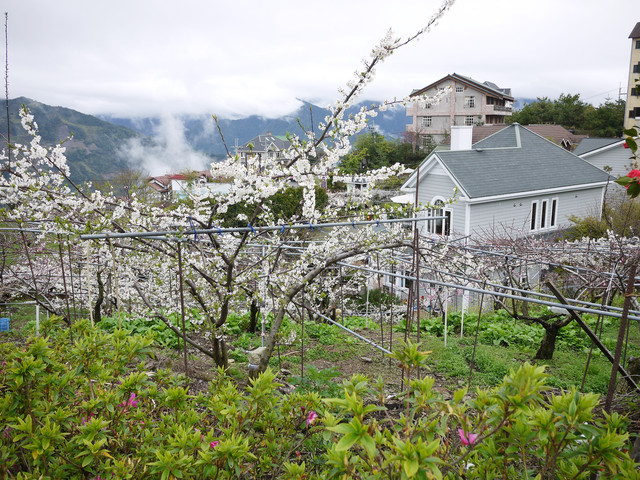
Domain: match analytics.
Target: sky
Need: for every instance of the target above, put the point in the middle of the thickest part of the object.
(138, 58)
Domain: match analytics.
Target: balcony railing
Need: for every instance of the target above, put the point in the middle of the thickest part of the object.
(502, 108)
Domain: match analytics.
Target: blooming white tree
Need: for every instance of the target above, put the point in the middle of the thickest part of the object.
(184, 245)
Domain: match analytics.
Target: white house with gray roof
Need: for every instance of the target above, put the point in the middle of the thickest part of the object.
(513, 181)
(609, 154)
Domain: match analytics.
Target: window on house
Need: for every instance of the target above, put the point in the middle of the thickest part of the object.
(554, 212)
(470, 101)
(468, 120)
(459, 89)
(636, 68)
(637, 43)
(426, 121)
(543, 214)
(534, 215)
(427, 105)
(442, 225)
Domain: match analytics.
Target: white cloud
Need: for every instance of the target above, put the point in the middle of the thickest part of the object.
(171, 154)
(252, 57)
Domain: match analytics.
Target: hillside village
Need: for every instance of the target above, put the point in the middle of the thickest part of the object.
(471, 124)
(439, 286)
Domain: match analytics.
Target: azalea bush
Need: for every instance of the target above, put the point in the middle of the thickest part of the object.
(89, 408)
(512, 431)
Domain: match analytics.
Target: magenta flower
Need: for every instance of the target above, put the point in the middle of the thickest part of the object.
(87, 419)
(312, 418)
(132, 402)
(214, 444)
(469, 439)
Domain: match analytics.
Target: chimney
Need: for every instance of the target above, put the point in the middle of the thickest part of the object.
(461, 137)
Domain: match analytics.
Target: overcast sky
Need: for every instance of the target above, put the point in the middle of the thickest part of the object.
(240, 57)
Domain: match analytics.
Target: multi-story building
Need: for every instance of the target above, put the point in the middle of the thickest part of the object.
(469, 102)
(263, 149)
(633, 89)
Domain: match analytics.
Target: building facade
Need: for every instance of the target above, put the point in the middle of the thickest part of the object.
(469, 102)
(633, 89)
(263, 149)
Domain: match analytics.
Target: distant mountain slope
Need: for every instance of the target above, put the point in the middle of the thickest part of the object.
(201, 134)
(92, 153)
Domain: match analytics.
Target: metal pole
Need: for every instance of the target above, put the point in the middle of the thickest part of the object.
(252, 229)
(89, 283)
(621, 333)
(184, 328)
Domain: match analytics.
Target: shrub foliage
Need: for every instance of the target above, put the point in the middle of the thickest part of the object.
(86, 406)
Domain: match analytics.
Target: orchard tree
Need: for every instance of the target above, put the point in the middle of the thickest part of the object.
(152, 250)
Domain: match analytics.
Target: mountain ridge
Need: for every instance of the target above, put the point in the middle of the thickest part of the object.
(92, 151)
(100, 145)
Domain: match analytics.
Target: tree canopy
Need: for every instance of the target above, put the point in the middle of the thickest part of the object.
(569, 111)
(373, 150)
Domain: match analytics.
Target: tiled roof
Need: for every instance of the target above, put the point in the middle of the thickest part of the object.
(590, 144)
(555, 133)
(516, 160)
(635, 33)
(488, 87)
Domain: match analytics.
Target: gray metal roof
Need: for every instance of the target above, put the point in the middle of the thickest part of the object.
(587, 145)
(516, 160)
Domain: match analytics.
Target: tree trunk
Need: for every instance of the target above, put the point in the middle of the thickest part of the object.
(220, 352)
(97, 315)
(548, 344)
(253, 316)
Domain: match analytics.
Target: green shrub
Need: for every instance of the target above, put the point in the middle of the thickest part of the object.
(88, 408)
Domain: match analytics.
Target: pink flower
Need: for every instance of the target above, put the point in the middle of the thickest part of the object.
(312, 418)
(469, 439)
(132, 402)
(87, 419)
(214, 444)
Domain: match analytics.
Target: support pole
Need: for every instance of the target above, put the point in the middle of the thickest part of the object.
(621, 334)
(184, 328)
(89, 283)
(594, 338)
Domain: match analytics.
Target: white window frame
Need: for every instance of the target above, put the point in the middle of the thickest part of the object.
(459, 89)
(470, 101)
(553, 213)
(533, 216)
(543, 214)
(441, 226)
(469, 120)
(427, 121)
